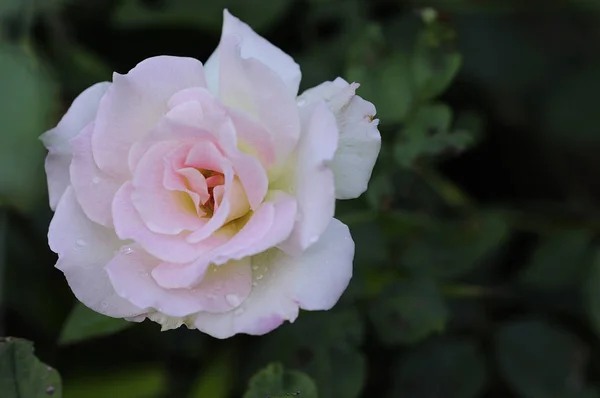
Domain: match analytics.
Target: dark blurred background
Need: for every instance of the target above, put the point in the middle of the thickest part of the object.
(477, 270)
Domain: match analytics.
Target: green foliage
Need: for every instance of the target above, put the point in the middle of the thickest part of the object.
(203, 14)
(324, 346)
(24, 114)
(22, 375)
(84, 324)
(276, 382)
(541, 360)
(409, 312)
(452, 369)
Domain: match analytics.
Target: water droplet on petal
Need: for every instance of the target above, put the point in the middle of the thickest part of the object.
(254, 283)
(233, 300)
(211, 296)
(239, 311)
(104, 304)
(301, 102)
(259, 277)
(81, 242)
(313, 239)
(254, 267)
(95, 180)
(126, 250)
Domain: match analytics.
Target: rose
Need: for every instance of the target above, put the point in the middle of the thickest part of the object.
(205, 195)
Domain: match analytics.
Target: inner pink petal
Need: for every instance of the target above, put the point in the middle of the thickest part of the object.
(196, 183)
(205, 155)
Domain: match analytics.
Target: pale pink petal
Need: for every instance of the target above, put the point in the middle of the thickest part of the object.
(254, 46)
(135, 102)
(270, 225)
(360, 140)
(198, 184)
(250, 86)
(311, 180)
(163, 211)
(84, 248)
(171, 248)
(93, 188)
(313, 281)
(130, 273)
(205, 155)
(253, 138)
(81, 112)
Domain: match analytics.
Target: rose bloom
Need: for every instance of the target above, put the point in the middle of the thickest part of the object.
(204, 195)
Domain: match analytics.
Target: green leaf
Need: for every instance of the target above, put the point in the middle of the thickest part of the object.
(83, 324)
(449, 369)
(25, 108)
(203, 14)
(131, 382)
(323, 345)
(273, 382)
(558, 260)
(22, 375)
(433, 66)
(540, 360)
(427, 134)
(386, 84)
(452, 249)
(592, 293)
(408, 312)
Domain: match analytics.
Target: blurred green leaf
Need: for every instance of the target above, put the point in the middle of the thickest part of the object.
(540, 360)
(131, 382)
(408, 312)
(433, 66)
(387, 84)
(592, 292)
(22, 375)
(274, 382)
(558, 260)
(217, 380)
(203, 14)
(25, 109)
(323, 345)
(84, 323)
(449, 369)
(454, 248)
(427, 134)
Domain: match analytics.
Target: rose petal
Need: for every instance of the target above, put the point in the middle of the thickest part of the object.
(171, 248)
(84, 248)
(81, 112)
(250, 86)
(93, 188)
(254, 46)
(313, 281)
(310, 180)
(134, 103)
(267, 227)
(130, 272)
(360, 140)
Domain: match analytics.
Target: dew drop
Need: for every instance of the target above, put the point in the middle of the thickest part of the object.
(254, 283)
(126, 250)
(211, 296)
(95, 180)
(254, 267)
(80, 242)
(233, 300)
(302, 102)
(259, 277)
(104, 304)
(48, 368)
(50, 390)
(239, 311)
(313, 239)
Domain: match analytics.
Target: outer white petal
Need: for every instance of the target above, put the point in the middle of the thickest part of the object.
(360, 140)
(84, 248)
(254, 46)
(309, 177)
(80, 114)
(283, 284)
